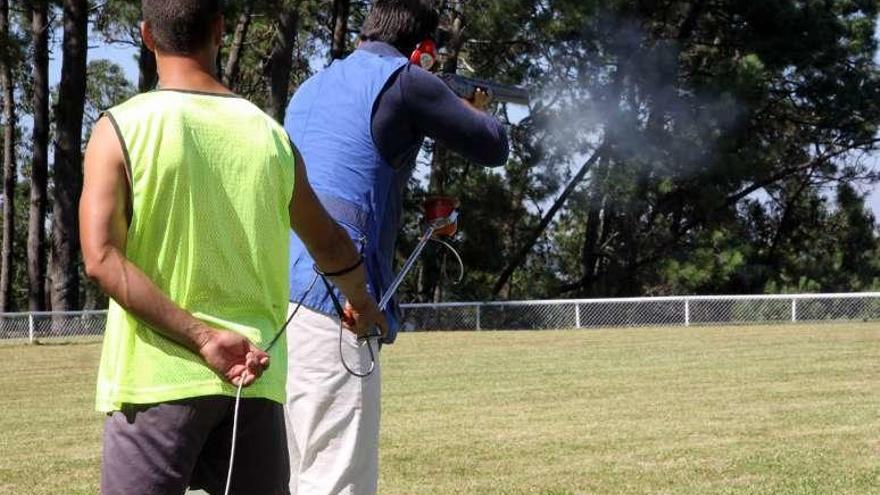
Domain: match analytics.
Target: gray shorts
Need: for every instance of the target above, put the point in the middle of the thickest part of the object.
(161, 449)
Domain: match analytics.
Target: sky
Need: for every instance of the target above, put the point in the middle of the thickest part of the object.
(125, 57)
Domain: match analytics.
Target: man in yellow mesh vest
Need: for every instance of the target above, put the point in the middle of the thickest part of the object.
(189, 194)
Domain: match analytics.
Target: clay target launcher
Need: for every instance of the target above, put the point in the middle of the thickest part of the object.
(441, 216)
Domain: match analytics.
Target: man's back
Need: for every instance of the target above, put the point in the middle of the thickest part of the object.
(328, 120)
(188, 198)
(211, 181)
(359, 125)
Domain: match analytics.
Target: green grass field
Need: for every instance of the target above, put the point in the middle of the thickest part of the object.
(745, 410)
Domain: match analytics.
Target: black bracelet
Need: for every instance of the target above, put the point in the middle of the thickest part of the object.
(345, 271)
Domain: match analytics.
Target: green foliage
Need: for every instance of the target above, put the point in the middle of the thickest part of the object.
(19, 295)
(702, 104)
(107, 86)
(118, 22)
(735, 136)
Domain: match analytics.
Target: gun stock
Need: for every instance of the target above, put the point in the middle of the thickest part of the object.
(466, 86)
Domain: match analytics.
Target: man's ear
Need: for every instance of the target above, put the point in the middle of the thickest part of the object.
(147, 36)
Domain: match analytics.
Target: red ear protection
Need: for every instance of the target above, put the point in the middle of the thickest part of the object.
(425, 54)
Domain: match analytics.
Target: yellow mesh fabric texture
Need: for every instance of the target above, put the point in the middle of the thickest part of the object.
(212, 178)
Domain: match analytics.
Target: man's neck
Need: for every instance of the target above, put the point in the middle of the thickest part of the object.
(380, 48)
(188, 74)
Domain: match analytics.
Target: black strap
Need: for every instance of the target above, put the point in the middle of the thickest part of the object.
(336, 304)
(344, 271)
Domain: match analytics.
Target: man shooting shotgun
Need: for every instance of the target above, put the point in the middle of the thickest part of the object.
(359, 125)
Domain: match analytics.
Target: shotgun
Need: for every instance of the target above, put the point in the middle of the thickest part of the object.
(466, 86)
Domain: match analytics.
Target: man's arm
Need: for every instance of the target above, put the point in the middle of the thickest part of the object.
(103, 234)
(453, 121)
(333, 251)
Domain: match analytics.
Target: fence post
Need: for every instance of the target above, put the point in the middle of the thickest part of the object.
(478, 317)
(793, 310)
(30, 328)
(687, 312)
(577, 315)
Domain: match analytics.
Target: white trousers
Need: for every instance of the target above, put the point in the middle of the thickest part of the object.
(332, 415)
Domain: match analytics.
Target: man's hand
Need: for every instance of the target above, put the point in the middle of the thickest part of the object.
(362, 317)
(232, 356)
(481, 100)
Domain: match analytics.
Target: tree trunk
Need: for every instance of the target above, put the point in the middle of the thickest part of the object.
(339, 45)
(787, 224)
(281, 62)
(8, 89)
(148, 77)
(36, 244)
(230, 72)
(68, 157)
(594, 235)
(456, 42)
(514, 221)
(441, 156)
(524, 251)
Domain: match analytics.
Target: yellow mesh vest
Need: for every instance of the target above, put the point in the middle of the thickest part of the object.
(212, 178)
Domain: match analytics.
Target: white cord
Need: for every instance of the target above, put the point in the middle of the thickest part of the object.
(234, 431)
(241, 382)
(359, 340)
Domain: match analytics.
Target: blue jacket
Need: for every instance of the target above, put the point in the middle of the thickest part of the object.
(329, 120)
(358, 125)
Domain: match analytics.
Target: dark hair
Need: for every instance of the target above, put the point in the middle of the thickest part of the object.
(402, 23)
(181, 26)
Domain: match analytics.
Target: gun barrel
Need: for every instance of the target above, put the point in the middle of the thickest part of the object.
(466, 86)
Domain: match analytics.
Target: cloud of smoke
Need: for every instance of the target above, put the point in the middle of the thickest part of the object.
(623, 85)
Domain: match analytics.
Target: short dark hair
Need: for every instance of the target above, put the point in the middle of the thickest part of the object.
(181, 26)
(402, 23)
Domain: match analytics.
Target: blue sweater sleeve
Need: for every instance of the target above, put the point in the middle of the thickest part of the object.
(417, 103)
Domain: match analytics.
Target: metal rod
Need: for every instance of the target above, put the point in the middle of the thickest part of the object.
(411, 261)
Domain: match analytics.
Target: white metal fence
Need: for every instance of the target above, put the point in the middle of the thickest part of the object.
(51, 326)
(643, 312)
(539, 315)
